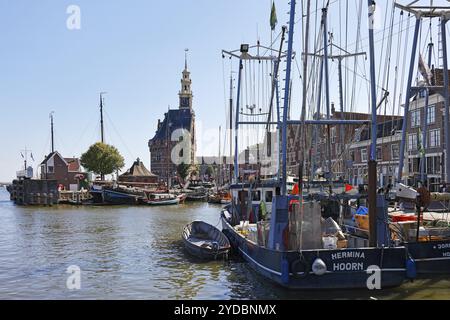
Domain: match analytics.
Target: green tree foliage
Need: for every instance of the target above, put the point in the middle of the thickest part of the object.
(210, 171)
(183, 170)
(102, 159)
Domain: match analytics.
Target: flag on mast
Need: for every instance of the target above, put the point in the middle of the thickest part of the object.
(425, 70)
(273, 17)
(420, 145)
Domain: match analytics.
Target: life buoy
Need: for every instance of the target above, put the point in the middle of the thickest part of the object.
(304, 266)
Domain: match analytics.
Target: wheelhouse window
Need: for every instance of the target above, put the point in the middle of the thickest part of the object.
(269, 196)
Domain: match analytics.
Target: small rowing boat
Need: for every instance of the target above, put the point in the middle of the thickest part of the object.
(205, 241)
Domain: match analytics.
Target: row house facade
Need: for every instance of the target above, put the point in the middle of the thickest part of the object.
(343, 139)
(388, 145)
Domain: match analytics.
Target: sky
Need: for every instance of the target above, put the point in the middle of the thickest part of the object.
(134, 51)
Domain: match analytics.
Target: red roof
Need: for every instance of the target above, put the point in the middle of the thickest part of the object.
(74, 164)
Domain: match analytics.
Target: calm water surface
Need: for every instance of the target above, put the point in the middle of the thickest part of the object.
(137, 253)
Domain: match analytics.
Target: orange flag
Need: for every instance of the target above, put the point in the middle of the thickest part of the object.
(296, 190)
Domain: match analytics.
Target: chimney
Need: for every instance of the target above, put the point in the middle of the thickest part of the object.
(159, 123)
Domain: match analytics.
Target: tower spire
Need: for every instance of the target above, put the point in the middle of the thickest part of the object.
(185, 93)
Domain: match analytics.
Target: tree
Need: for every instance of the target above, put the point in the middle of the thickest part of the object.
(183, 170)
(195, 170)
(102, 159)
(209, 171)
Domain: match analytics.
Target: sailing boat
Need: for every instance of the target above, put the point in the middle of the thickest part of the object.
(425, 234)
(282, 236)
(114, 194)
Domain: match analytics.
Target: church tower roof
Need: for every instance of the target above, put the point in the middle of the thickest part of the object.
(185, 93)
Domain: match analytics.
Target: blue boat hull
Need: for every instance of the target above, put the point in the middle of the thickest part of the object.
(346, 268)
(119, 198)
(431, 257)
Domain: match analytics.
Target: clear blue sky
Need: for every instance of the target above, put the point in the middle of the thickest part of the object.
(134, 50)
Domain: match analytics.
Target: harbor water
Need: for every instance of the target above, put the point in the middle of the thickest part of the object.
(137, 253)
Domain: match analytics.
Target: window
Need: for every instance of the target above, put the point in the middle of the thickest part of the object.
(363, 155)
(357, 135)
(395, 152)
(269, 196)
(435, 138)
(379, 154)
(415, 118)
(256, 196)
(50, 169)
(412, 142)
(422, 94)
(433, 165)
(431, 115)
(333, 135)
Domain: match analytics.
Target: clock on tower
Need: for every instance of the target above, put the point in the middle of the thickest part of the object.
(184, 102)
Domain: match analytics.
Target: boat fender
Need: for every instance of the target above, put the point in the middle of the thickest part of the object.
(411, 269)
(302, 265)
(285, 271)
(319, 267)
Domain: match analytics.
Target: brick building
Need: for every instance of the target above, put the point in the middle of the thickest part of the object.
(344, 139)
(66, 171)
(388, 143)
(168, 140)
(434, 144)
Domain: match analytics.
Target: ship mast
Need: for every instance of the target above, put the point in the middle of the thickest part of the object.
(102, 131)
(51, 131)
(231, 127)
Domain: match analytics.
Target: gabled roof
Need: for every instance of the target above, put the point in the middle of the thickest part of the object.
(51, 155)
(74, 164)
(138, 170)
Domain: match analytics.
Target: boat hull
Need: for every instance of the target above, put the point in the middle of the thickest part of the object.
(163, 202)
(430, 257)
(346, 268)
(204, 241)
(119, 198)
(202, 253)
(201, 198)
